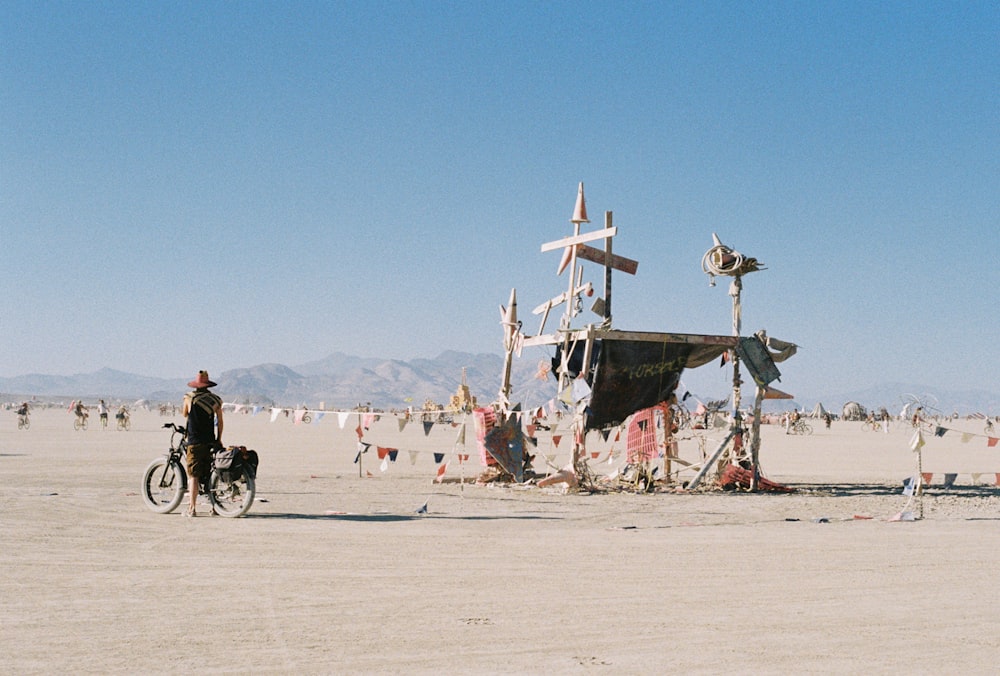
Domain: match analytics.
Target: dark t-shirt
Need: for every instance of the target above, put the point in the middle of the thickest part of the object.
(201, 416)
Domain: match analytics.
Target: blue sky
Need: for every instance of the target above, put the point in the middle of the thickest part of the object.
(218, 185)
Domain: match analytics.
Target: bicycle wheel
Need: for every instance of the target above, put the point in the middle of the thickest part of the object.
(163, 485)
(806, 428)
(231, 497)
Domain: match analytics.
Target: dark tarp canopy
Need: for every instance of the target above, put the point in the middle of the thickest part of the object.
(639, 370)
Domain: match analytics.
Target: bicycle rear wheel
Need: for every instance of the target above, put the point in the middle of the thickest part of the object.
(163, 485)
(231, 493)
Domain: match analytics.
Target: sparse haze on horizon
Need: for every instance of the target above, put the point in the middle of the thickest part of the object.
(218, 185)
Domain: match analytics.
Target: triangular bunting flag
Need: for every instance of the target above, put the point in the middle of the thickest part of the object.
(382, 452)
(392, 454)
(342, 418)
(413, 457)
(966, 437)
(428, 426)
(917, 442)
(556, 438)
(275, 412)
(385, 465)
(438, 458)
(991, 442)
(939, 431)
(359, 431)
(460, 441)
(319, 416)
(298, 415)
(402, 423)
(440, 472)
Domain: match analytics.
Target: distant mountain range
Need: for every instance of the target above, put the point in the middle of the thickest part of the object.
(343, 381)
(338, 381)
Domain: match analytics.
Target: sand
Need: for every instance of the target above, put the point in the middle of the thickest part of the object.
(332, 573)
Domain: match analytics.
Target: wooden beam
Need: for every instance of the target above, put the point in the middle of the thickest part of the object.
(594, 255)
(579, 239)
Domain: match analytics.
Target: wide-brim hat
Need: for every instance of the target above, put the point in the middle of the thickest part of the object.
(201, 381)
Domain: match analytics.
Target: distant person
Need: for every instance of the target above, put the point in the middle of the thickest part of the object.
(102, 410)
(80, 410)
(203, 410)
(23, 409)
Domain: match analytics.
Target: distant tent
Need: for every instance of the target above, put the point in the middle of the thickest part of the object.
(854, 411)
(818, 411)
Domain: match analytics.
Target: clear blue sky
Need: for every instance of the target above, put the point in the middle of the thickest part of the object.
(223, 184)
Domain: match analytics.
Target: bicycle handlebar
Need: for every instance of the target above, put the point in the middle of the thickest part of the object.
(175, 427)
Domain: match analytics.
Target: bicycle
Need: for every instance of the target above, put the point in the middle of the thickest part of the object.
(871, 426)
(800, 427)
(165, 482)
(80, 423)
(22, 421)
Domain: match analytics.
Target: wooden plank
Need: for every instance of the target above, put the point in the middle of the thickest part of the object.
(651, 336)
(594, 255)
(579, 239)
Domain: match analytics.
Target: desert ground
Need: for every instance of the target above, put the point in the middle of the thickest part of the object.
(334, 571)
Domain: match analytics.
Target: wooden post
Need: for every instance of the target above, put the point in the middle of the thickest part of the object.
(607, 272)
(755, 439)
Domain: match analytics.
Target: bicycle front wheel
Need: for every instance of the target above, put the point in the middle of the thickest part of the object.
(163, 485)
(231, 493)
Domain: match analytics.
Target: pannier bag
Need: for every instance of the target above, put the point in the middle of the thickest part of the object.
(232, 458)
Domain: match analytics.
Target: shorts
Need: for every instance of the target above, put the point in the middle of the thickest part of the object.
(199, 460)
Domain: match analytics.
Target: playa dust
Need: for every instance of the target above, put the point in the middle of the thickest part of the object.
(336, 572)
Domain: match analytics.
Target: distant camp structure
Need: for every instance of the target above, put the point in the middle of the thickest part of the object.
(462, 401)
(854, 411)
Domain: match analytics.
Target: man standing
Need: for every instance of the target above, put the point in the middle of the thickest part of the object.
(203, 410)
